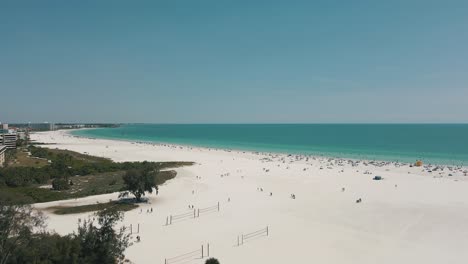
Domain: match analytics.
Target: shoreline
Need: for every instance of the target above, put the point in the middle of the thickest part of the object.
(324, 156)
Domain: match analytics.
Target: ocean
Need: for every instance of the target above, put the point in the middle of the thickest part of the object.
(433, 143)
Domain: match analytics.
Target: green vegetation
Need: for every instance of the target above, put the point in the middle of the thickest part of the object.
(73, 175)
(20, 158)
(33, 194)
(212, 261)
(115, 205)
(60, 184)
(138, 182)
(93, 243)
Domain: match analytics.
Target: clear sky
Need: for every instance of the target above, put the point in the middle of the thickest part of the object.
(218, 61)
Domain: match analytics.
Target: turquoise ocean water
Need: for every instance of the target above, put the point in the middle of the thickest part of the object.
(433, 143)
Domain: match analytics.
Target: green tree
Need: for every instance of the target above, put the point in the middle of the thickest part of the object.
(17, 223)
(212, 261)
(101, 243)
(95, 242)
(45, 248)
(138, 182)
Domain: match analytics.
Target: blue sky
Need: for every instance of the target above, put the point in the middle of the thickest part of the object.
(234, 61)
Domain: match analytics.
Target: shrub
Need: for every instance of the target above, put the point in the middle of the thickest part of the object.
(212, 261)
(60, 184)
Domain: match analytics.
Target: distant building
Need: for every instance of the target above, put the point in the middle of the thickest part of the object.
(70, 126)
(41, 126)
(3, 128)
(8, 139)
(2, 155)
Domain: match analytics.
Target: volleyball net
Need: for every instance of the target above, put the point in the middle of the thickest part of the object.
(202, 252)
(179, 217)
(192, 214)
(206, 210)
(252, 235)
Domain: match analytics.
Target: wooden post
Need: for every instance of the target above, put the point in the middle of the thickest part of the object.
(194, 213)
(242, 239)
(237, 240)
(201, 251)
(170, 220)
(267, 230)
(218, 206)
(131, 229)
(198, 214)
(165, 261)
(167, 220)
(138, 230)
(208, 249)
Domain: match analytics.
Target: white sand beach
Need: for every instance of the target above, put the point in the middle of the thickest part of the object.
(411, 216)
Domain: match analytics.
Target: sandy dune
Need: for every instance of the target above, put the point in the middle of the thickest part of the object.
(412, 216)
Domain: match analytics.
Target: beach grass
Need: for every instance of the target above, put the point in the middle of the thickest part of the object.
(119, 206)
(21, 158)
(76, 155)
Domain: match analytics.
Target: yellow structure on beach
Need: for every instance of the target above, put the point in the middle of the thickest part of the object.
(418, 163)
